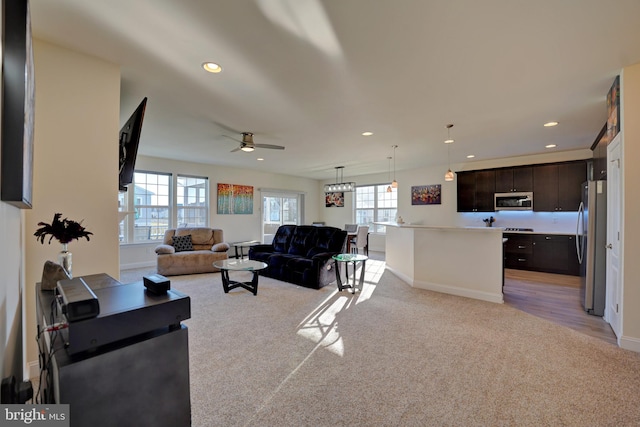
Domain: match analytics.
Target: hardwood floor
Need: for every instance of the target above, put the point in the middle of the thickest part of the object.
(554, 297)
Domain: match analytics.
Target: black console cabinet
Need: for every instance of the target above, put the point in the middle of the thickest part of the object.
(142, 380)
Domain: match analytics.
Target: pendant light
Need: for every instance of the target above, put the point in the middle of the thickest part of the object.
(394, 184)
(449, 175)
(340, 185)
(389, 190)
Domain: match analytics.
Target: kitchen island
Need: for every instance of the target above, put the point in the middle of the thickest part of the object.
(463, 261)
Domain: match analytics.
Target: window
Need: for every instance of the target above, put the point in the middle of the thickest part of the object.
(151, 205)
(192, 201)
(156, 202)
(374, 203)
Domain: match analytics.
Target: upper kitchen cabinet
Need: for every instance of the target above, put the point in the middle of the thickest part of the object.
(475, 190)
(516, 179)
(556, 186)
(599, 149)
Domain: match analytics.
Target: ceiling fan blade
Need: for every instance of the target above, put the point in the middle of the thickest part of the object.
(272, 147)
(236, 149)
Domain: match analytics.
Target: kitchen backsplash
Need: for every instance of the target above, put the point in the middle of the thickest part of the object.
(541, 222)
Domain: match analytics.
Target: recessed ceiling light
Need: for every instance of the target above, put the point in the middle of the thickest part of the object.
(471, 156)
(550, 124)
(550, 146)
(448, 141)
(367, 133)
(260, 159)
(212, 67)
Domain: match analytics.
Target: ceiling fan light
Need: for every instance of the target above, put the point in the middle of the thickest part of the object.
(448, 176)
(247, 148)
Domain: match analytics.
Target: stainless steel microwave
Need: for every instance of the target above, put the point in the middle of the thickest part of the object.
(513, 201)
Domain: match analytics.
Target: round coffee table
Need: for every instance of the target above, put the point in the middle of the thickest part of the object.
(346, 259)
(227, 265)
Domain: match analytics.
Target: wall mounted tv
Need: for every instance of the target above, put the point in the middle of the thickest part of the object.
(129, 141)
(18, 101)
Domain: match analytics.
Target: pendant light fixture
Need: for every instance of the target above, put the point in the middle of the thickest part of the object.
(339, 185)
(394, 184)
(449, 175)
(389, 190)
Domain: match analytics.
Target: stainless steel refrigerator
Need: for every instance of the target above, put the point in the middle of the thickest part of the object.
(591, 240)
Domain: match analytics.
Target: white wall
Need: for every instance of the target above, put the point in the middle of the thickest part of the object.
(11, 292)
(75, 164)
(235, 227)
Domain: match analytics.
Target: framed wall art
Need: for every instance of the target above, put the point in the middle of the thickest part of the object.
(235, 199)
(613, 109)
(334, 199)
(426, 194)
(18, 105)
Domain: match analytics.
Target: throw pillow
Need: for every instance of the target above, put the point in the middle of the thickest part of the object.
(182, 243)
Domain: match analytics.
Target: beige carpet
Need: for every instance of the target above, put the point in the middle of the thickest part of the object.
(393, 356)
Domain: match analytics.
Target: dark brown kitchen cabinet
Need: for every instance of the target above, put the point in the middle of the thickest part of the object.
(556, 186)
(518, 251)
(475, 190)
(555, 254)
(599, 149)
(516, 179)
(550, 253)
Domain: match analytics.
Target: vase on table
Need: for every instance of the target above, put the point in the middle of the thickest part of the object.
(65, 260)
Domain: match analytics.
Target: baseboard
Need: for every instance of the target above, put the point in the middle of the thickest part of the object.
(135, 265)
(401, 276)
(33, 368)
(467, 293)
(629, 343)
(452, 290)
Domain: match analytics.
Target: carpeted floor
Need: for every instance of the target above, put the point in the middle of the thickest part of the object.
(392, 355)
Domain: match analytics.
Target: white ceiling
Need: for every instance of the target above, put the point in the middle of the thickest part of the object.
(312, 75)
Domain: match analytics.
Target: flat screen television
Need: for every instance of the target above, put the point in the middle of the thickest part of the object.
(18, 101)
(129, 141)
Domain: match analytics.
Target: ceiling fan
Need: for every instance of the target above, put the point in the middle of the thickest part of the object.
(248, 145)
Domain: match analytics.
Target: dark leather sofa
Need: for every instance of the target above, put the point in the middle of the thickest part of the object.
(301, 254)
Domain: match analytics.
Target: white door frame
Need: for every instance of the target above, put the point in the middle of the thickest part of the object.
(267, 235)
(614, 306)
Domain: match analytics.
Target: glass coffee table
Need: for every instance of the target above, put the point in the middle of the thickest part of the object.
(227, 265)
(353, 259)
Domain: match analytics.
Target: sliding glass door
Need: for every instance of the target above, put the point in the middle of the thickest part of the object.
(279, 209)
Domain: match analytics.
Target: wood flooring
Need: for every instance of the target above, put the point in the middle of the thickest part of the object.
(555, 297)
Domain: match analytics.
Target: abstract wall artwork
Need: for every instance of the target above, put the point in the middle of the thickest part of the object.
(235, 199)
(426, 194)
(335, 199)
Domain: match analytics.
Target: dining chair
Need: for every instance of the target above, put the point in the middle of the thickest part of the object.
(361, 240)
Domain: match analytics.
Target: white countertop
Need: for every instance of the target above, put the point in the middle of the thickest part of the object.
(435, 227)
(470, 228)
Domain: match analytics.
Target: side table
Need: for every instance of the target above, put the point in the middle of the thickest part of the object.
(239, 247)
(227, 265)
(353, 259)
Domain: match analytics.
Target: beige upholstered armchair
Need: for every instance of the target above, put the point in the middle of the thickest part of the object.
(191, 250)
